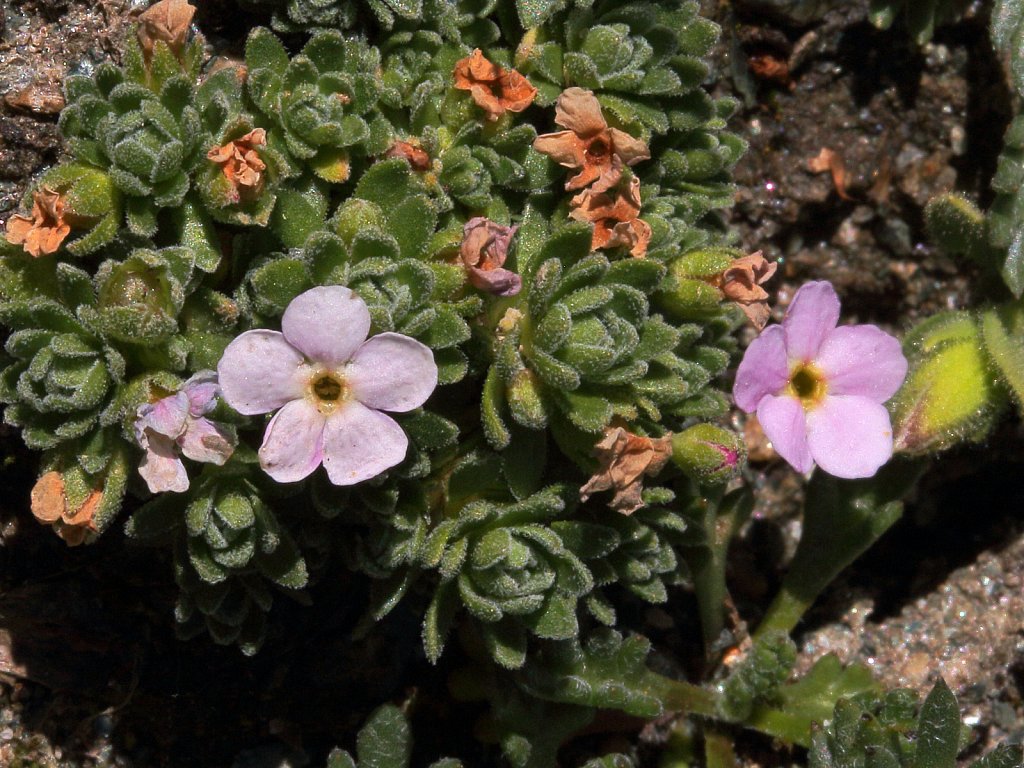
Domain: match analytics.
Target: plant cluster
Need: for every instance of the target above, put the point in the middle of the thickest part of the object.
(444, 297)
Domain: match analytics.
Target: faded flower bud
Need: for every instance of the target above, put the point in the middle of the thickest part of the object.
(707, 453)
(484, 250)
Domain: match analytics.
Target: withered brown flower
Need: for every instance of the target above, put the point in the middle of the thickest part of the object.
(416, 156)
(50, 506)
(484, 249)
(624, 459)
(493, 88)
(43, 231)
(589, 145)
(615, 216)
(167, 21)
(741, 282)
(241, 164)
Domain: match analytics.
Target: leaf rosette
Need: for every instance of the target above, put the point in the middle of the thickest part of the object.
(322, 102)
(62, 377)
(511, 572)
(149, 143)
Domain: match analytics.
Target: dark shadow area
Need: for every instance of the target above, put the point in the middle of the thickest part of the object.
(878, 60)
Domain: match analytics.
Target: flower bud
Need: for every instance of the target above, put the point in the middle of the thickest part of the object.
(950, 394)
(692, 296)
(708, 454)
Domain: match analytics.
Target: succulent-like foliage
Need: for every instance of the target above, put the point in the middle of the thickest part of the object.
(384, 741)
(148, 142)
(62, 378)
(892, 728)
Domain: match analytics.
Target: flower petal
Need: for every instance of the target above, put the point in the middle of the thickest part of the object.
(811, 316)
(784, 422)
(164, 417)
(161, 468)
(327, 324)
(564, 147)
(862, 360)
(201, 391)
(207, 441)
(764, 369)
(578, 110)
(849, 436)
(293, 443)
(260, 371)
(360, 443)
(629, 149)
(392, 372)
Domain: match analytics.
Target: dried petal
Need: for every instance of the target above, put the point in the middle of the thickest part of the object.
(48, 499)
(493, 88)
(241, 164)
(45, 230)
(624, 459)
(589, 145)
(484, 249)
(167, 21)
(416, 157)
(615, 216)
(742, 282)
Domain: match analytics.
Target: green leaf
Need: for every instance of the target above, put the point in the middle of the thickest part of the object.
(384, 741)
(938, 729)
(811, 700)
(301, 210)
(1002, 330)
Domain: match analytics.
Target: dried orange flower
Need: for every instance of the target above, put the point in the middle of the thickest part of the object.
(416, 157)
(167, 21)
(742, 282)
(614, 214)
(589, 145)
(493, 88)
(50, 506)
(624, 459)
(45, 230)
(241, 164)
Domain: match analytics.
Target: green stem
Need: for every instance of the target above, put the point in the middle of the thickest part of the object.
(680, 696)
(842, 519)
(718, 751)
(721, 520)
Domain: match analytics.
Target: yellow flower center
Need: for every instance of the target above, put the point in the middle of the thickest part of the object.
(328, 390)
(807, 384)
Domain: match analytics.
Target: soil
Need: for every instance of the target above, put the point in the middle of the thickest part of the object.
(851, 131)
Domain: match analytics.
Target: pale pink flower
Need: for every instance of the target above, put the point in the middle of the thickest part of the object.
(819, 390)
(328, 384)
(177, 425)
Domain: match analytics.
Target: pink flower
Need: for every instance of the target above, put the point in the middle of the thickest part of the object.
(330, 383)
(818, 389)
(177, 425)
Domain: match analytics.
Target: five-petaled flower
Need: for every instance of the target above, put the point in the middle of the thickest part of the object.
(176, 425)
(589, 145)
(241, 164)
(328, 383)
(615, 216)
(493, 88)
(45, 230)
(483, 250)
(819, 389)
